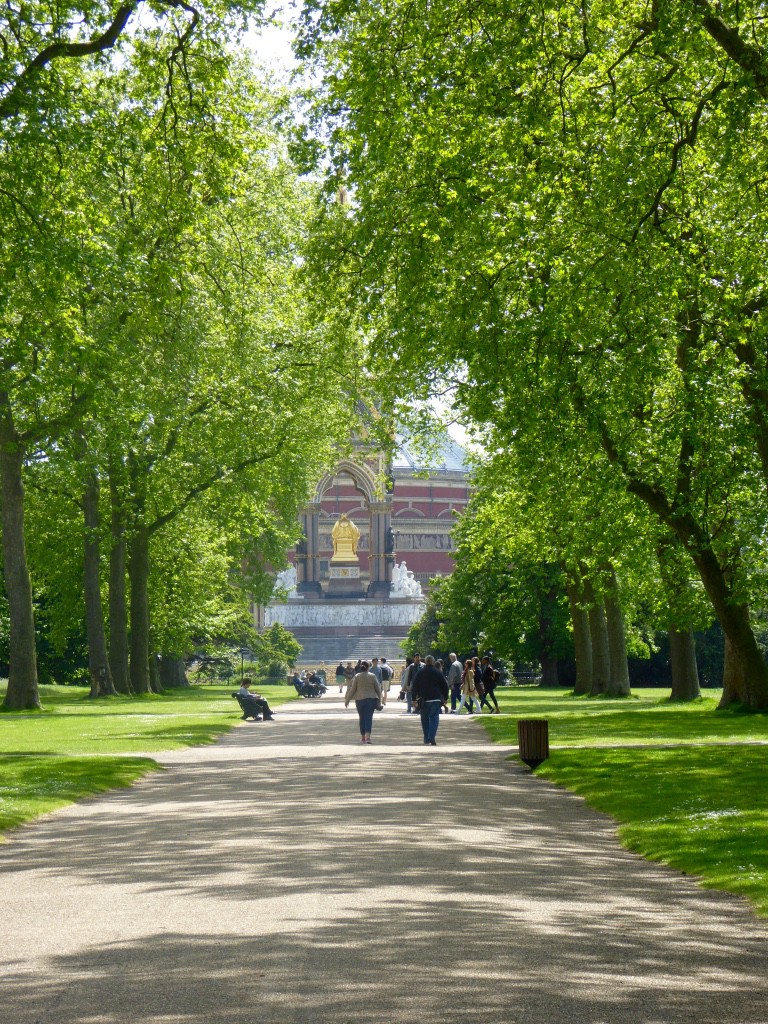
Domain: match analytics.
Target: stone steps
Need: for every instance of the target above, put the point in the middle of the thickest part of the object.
(334, 649)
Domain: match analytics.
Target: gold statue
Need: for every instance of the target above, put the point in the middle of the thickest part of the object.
(345, 536)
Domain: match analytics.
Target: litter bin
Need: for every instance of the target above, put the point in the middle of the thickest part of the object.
(533, 740)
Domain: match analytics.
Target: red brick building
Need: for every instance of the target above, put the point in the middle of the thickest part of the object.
(424, 504)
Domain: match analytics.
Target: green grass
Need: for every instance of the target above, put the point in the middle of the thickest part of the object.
(688, 785)
(76, 747)
(37, 784)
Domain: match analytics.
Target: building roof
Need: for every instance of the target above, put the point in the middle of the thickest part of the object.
(444, 456)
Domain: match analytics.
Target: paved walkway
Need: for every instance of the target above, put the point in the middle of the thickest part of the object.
(288, 875)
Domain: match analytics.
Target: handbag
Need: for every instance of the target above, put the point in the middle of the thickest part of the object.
(401, 695)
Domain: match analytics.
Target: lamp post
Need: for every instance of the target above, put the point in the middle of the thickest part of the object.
(244, 652)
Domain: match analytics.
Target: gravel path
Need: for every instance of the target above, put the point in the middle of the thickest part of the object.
(287, 874)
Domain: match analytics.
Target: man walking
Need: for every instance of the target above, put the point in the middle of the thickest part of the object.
(386, 678)
(454, 681)
(430, 691)
(408, 679)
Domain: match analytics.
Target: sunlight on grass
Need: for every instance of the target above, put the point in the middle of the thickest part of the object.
(41, 754)
(32, 786)
(702, 809)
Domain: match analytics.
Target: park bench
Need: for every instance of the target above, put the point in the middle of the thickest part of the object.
(246, 706)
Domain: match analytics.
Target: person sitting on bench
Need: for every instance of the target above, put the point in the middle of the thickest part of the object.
(254, 700)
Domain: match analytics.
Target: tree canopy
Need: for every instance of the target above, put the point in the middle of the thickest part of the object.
(556, 214)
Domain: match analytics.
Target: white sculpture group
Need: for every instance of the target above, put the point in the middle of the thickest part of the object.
(404, 583)
(286, 580)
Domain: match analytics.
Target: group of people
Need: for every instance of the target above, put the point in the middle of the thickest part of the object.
(471, 685)
(426, 687)
(378, 666)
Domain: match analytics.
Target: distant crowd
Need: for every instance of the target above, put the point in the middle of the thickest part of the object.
(425, 686)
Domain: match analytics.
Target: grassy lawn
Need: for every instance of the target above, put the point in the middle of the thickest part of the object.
(76, 747)
(699, 804)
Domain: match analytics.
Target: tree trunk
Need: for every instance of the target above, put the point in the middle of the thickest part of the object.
(549, 676)
(22, 690)
(748, 680)
(173, 673)
(682, 659)
(618, 681)
(98, 663)
(154, 674)
(733, 676)
(118, 612)
(581, 640)
(138, 574)
(598, 636)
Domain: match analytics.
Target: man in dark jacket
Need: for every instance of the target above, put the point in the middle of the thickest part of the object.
(430, 690)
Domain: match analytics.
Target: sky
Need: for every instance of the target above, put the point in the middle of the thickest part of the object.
(272, 45)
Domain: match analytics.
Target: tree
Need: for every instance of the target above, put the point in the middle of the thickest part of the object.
(49, 66)
(562, 228)
(277, 646)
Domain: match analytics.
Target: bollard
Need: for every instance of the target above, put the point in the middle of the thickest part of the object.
(533, 741)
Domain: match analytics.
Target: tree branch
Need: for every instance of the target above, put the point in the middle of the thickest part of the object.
(206, 485)
(749, 58)
(14, 99)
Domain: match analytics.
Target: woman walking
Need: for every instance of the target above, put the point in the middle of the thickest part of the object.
(468, 687)
(489, 679)
(365, 688)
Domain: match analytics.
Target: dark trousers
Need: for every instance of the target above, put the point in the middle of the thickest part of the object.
(455, 696)
(486, 695)
(430, 719)
(260, 705)
(365, 709)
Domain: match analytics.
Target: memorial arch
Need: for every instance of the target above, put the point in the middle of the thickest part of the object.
(372, 515)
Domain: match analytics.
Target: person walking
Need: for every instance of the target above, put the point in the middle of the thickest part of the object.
(468, 687)
(340, 676)
(489, 679)
(430, 692)
(408, 679)
(365, 688)
(479, 689)
(454, 680)
(349, 673)
(386, 679)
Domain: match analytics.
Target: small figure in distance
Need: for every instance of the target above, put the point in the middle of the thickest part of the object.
(376, 669)
(365, 688)
(255, 700)
(454, 681)
(430, 692)
(489, 679)
(386, 679)
(340, 676)
(407, 681)
(349, 673)
(468, 688)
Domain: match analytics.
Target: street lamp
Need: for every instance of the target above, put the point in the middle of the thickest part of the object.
(244, 652)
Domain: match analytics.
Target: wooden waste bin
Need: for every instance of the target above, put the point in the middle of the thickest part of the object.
(533, 740)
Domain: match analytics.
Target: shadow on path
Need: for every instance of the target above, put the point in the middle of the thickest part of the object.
(286, 875)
